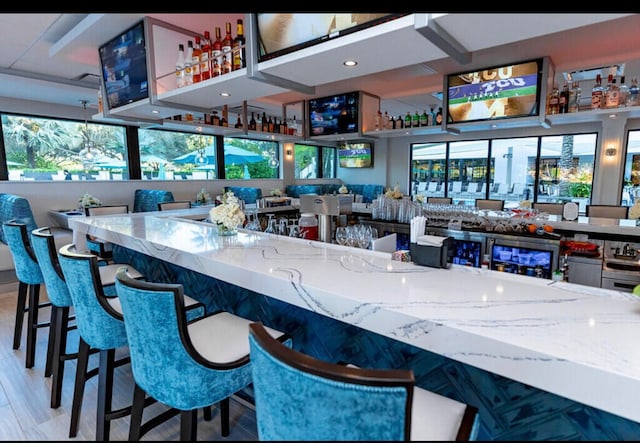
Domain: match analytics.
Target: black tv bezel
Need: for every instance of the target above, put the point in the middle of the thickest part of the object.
(263, 55)
(370, 146)
(112, 42)
(329, 98)
(538, 111)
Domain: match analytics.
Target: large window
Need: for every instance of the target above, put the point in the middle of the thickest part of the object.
(538, 169)
(314, 162)
(246, 159)
(50, 149)
(631, 188)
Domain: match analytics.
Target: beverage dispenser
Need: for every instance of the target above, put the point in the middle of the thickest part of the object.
(326, 207)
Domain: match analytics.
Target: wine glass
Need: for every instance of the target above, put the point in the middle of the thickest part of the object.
(254, 222)
(271, 224)
(294, 229)
(363, 236)
(352, 239)
(341, 235)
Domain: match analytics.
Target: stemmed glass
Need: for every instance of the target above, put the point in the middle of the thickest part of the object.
(363, 236)
(294, 230)
(271, 224)
(254, 222)
(341, 235)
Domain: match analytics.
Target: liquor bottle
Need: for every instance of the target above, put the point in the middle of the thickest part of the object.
(188, 62)
(239, 60)
(574, 97)
(612, 97)
(439, 116)
(294, 125)
(432, 117)
(554, 102)
(227, 44)
(252, 123)
(624, 92)
(265, 123)
(385, 121)
(180, 67)
(407, 120)
(205, 57)
(270, 125)
(195, 60)
(415, 120)
(226, 64)
(284, 127)
(399, 122)
(596, 93)
(633, 93)
(424, 118)
(216, 69)
(392, 122)
(215, 118)
(378, 120)
(563, 102)
(238, 123)
(216, 51)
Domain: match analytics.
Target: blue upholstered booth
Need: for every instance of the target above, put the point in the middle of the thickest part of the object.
(147, 199)
(369, 192)
(245, 193)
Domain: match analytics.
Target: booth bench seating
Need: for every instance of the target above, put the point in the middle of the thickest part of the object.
(15, 207)
(146, 200)
(368, 192)
(248, 194)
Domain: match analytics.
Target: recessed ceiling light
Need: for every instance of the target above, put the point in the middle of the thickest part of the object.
(155, 111)
(225, 94)
(350, 63)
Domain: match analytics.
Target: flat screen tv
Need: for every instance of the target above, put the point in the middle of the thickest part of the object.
(499, 92)
(283, 33)
(355, 155)
(337, 114)
(123, 62)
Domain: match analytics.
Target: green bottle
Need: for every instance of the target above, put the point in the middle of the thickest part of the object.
(407, 120)
(415, 120)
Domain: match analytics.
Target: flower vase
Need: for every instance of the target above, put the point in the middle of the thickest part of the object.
(225, 231)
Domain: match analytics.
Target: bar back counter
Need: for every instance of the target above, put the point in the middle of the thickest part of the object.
(542, 360)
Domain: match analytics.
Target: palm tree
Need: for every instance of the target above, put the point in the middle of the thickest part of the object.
(37, 136)
(565, 164)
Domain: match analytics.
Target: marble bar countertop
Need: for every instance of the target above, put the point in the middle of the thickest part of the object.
(575, 341)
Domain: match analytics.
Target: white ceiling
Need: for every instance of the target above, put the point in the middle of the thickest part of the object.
(53, 57)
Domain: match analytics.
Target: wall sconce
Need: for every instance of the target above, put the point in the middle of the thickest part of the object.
(289, 152)
(611, 151)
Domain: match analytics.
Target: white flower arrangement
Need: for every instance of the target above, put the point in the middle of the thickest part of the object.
(203, 196)
(420, 198)
(634, 211)
(88, 200)
(343, 190)
(228, 214)
(276, 192)
(394, 193)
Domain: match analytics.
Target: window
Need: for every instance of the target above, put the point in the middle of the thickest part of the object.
(631, 188)
(250, 159)
(314, 162)
(170, 155)
(560, 170)
(53, 149)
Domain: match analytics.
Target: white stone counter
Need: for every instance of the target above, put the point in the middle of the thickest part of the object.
(575, 341)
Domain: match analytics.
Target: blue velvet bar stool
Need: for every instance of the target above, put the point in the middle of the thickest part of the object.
(29, 280)
(43, 243)
(299, 397)
(101, 326)
(184, 364)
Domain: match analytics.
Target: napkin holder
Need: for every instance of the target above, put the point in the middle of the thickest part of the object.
(432, 256)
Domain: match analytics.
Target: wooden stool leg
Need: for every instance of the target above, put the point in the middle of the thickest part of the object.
(137, 409)
(59, 353)
(78, 389)
(105, 393)
(53, 335)
(21, 306)
(189, 425)
(32, 324)
(224, 417)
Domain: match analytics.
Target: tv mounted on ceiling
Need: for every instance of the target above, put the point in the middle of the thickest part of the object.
(336, 114)
(123, 62)
(283, 33)
(501, 92)
(355, 155)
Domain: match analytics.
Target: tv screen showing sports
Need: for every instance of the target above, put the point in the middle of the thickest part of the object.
(283, 33)
(500, 92)
(337, 114)
(355, 155)
(124, 67)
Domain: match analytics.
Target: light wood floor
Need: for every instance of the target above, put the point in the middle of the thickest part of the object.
(25, 395)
